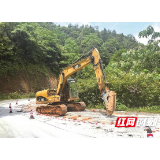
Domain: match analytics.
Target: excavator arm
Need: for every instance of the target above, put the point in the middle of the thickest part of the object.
(108, 96)
(68, 71)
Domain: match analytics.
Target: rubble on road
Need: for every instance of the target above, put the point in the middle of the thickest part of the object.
(94, 122)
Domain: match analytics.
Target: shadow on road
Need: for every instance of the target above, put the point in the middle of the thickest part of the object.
(4, 111)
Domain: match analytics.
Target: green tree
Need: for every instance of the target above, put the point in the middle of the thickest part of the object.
(107, 50)
(71, 46)
(90, 41)
(134, 75)
(105, 35)
(6, 46)
(70, 52)
(150, 34)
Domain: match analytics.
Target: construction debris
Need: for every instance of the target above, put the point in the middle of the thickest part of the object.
(95, 119)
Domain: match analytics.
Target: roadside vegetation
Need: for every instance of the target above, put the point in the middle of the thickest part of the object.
(16, 95)
(122, 107)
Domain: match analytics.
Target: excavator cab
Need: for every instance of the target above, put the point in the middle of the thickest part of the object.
(73, 90)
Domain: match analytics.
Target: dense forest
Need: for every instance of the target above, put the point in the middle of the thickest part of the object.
(132, 69)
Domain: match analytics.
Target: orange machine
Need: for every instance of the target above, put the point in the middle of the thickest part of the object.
(61, 100)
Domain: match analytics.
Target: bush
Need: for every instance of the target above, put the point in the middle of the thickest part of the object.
(152, 108)
(121, 107)
(88, 86)
(135, 77)
(16, 95)
(136, 91)
(89, 93)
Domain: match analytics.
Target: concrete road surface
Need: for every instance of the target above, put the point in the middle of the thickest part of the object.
(19, 125)
(16, 125)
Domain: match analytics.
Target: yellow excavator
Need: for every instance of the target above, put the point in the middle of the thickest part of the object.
(62, 100)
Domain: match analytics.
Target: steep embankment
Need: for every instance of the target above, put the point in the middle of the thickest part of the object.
(24, 82)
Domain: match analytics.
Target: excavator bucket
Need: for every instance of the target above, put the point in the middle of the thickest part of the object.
(109, 98)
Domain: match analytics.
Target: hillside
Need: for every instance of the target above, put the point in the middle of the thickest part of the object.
(26, 47)
(26, 83)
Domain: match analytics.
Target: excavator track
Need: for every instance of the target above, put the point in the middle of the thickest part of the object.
(60, 110)
(76, 106)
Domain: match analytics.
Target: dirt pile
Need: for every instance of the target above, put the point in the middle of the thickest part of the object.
(26, 83)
